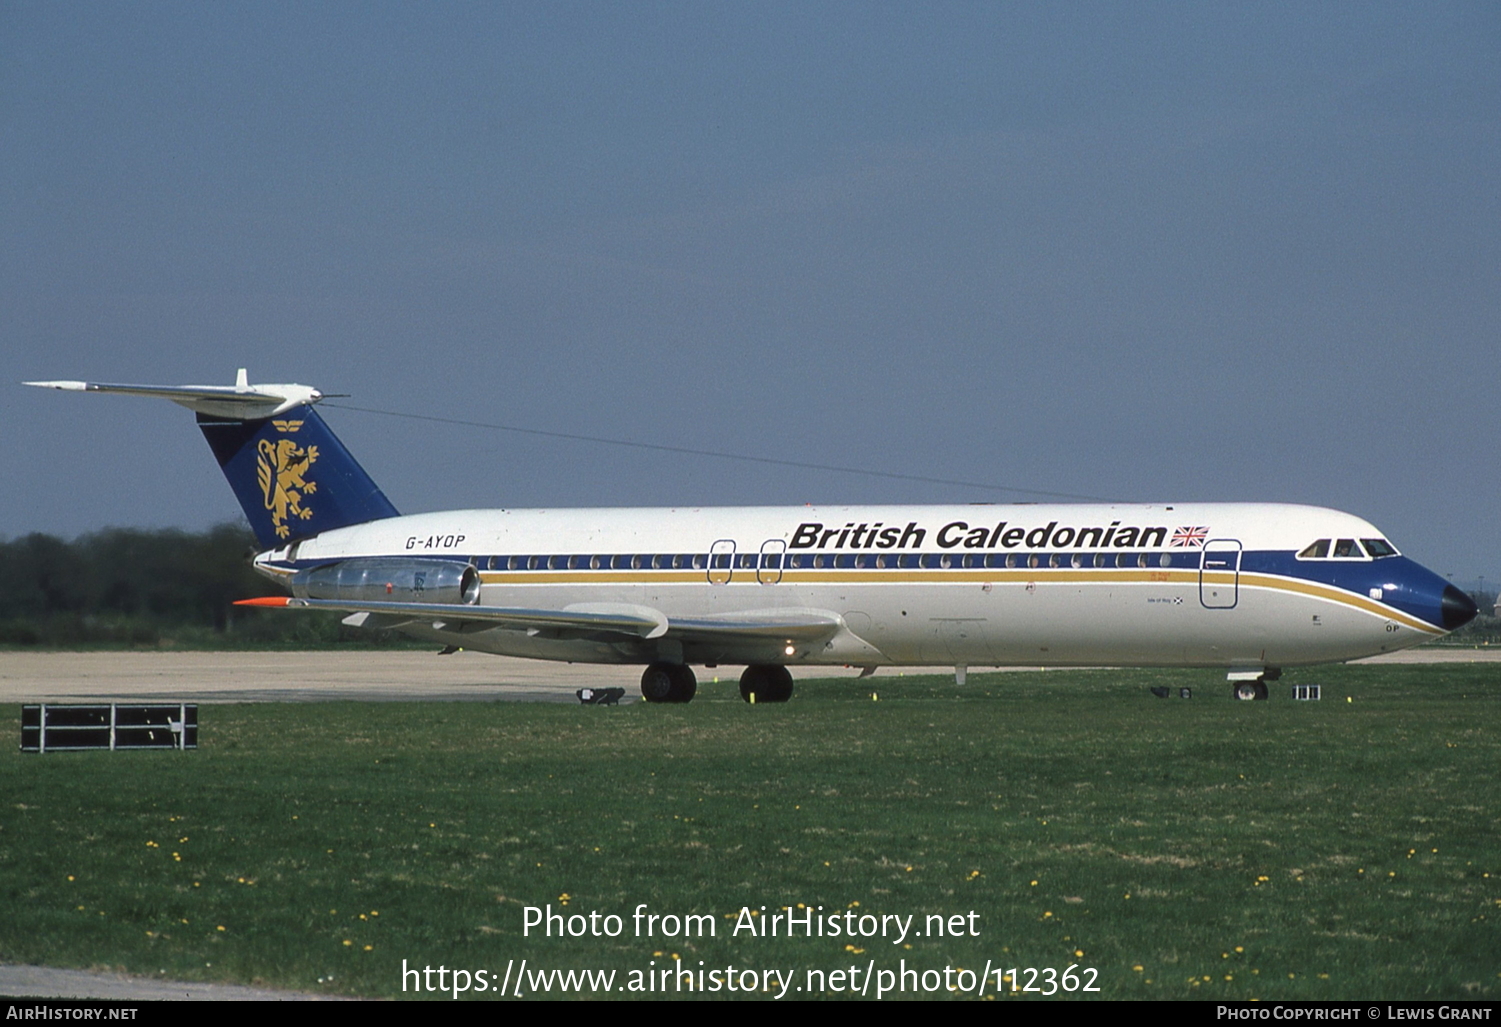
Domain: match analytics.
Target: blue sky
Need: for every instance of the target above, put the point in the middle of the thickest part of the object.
(1141, 251)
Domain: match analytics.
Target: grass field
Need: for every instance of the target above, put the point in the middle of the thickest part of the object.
(1184, 849)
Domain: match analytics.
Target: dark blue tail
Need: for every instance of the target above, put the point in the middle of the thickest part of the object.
(292, 476)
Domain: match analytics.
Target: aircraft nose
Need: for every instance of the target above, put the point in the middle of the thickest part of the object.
(1458, 609)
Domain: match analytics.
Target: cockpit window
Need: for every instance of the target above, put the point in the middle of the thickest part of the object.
(1316, 551)
(1347, 548)
(1378, 547)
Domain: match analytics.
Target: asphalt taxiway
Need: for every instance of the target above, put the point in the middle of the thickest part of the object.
(384, 676)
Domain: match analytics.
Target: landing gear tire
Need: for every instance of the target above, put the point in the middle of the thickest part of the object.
(766, 682)
(1249, 691)
(685, 685)
(668, 682)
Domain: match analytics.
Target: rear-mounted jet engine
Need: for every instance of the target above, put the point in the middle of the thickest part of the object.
(391, 581)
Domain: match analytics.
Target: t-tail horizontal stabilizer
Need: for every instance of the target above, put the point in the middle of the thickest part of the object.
(241, 400)
(291, 474)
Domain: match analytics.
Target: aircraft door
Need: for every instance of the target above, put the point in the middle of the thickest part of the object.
(722, 561)
(773, 552)
(1220, 555)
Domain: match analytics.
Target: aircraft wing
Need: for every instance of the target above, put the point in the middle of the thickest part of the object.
(615, 618)
(591, 618)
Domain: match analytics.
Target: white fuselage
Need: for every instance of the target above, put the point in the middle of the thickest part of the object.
(1210, 585)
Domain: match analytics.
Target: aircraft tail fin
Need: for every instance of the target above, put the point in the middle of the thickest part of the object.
(291, 474)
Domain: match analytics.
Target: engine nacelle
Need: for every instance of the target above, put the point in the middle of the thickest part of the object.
(391, 581)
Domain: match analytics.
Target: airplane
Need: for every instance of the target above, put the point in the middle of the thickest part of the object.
(1249, 588)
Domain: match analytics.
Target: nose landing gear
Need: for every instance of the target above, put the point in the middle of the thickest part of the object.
(1251, 690)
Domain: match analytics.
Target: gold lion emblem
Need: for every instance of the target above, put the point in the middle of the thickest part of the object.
(280, 467)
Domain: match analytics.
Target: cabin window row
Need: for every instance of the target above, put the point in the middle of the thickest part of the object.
(840, 561)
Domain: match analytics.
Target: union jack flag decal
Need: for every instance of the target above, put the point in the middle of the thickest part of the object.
(1190, 537)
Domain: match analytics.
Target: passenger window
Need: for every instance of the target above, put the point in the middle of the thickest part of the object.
(818, 561)
(1010, 559)
(1346, 548)
(1078, 560)
(1141, 561)
(1166, 560)
(1100, 559)
(1033, 560)
(698, 561)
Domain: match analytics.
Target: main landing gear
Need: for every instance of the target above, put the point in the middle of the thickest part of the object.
(766, 682)
(668, 682)
(674, 682)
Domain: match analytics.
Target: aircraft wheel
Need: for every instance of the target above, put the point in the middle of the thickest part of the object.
(1245, 691)
(767, 682)
(684, 684)
(656, 683)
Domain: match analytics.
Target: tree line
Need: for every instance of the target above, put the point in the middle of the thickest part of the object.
(139, 587)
